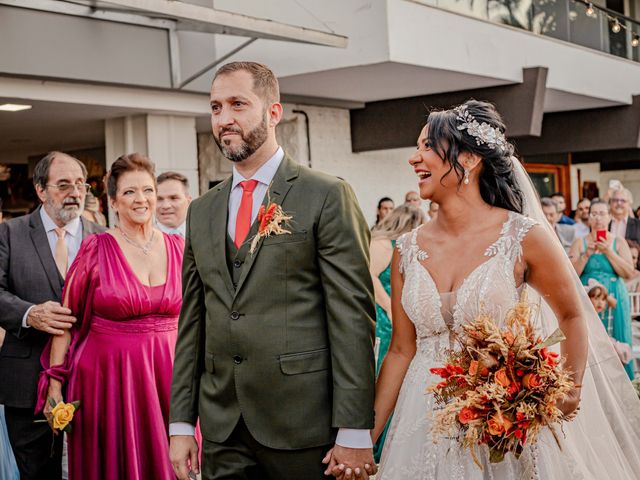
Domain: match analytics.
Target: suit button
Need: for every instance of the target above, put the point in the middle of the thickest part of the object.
(235, 315)
(237, 264)
(237, 359)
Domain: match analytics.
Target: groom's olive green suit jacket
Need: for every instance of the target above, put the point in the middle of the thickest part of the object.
(290, 346)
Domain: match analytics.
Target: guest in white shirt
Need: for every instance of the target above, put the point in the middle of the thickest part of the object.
(622, 224)
(173, 202)
(582, 218)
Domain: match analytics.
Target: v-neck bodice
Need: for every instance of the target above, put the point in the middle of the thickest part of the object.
(120, 295)
(490, 287)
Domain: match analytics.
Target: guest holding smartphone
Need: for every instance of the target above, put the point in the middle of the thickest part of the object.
(606, 258)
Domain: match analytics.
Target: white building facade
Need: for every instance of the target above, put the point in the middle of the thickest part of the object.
(357, 79)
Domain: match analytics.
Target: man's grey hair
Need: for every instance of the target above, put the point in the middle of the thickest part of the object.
(41, 172)
(549, 202)
(627, 194)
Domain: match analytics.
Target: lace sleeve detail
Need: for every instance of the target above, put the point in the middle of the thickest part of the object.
(521, 227)
(403, 245)
(513, 232)
(409, 250)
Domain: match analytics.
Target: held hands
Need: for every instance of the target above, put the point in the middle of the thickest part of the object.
(183, 452)
(350, 463)
(50, 317)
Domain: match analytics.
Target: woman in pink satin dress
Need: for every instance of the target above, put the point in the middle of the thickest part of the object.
(125, 290)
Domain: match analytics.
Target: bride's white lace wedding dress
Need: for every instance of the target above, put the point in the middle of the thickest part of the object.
(410, 451)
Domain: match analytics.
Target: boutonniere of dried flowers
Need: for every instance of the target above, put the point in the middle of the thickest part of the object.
(273, 221)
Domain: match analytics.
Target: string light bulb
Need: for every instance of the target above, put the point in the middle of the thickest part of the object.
(615, 28)
(590, 11)
(635, 40)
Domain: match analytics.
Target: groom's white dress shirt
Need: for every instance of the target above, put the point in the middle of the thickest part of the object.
(347, 437)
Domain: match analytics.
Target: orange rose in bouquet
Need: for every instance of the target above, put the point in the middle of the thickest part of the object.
(501, 387)
(467, 415)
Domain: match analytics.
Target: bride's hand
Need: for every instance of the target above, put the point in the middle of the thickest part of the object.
(570, 403)
(329, 461)
(55, 392)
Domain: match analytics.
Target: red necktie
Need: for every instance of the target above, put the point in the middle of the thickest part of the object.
(243, 220)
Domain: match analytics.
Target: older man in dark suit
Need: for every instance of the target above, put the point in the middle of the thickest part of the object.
(35, 253)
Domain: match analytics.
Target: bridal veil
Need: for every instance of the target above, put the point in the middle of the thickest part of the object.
(603, 441)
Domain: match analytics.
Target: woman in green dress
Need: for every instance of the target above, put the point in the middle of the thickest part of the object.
(606, 258)
(383, 240)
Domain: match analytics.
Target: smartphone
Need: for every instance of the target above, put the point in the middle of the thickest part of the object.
(601, 235)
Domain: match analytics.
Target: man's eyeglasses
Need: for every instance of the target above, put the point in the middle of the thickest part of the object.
(599, 214)
(618, 200)
(67, 187)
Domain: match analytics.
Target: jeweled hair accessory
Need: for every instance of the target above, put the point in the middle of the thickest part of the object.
(482, 132)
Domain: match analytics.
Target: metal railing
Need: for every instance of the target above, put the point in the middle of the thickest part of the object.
(566, 20)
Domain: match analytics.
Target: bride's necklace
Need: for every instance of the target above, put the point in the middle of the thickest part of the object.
(146, 248)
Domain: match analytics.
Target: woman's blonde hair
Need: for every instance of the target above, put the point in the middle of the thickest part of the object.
(401, 220)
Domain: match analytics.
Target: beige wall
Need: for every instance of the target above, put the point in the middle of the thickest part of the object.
(371, 174)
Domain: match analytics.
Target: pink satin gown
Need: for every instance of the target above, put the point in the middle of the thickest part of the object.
(120, 363)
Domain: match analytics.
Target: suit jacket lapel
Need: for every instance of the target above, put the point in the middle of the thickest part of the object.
(280, 185)
(218, 225)
(43, 250)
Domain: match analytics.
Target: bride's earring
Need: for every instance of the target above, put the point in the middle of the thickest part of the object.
(466, 176)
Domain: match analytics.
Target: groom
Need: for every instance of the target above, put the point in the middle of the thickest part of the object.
(275, 346)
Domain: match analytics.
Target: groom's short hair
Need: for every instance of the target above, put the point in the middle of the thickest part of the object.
(265, 83)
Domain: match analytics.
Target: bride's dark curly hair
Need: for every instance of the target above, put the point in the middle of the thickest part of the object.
(498, 185)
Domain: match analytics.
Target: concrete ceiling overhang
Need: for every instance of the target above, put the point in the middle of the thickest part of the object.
(48, 125)
(382, 81)
(624, 159)
(397, 123)
(189, 17)
(600, 129)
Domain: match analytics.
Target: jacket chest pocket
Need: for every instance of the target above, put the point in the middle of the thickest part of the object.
(305, 362)
(285, 238)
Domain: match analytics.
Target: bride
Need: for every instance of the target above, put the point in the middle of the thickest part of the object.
(489, 242)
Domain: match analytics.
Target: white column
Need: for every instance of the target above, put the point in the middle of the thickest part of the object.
(172, 144)
(125, 135)
(169, 141)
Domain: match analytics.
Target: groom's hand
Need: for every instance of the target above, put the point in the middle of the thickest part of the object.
(350, 463)
(183, 452)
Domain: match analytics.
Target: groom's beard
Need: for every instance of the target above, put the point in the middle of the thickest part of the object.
(251, 141)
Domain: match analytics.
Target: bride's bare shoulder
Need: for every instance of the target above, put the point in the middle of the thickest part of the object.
(540, 243)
